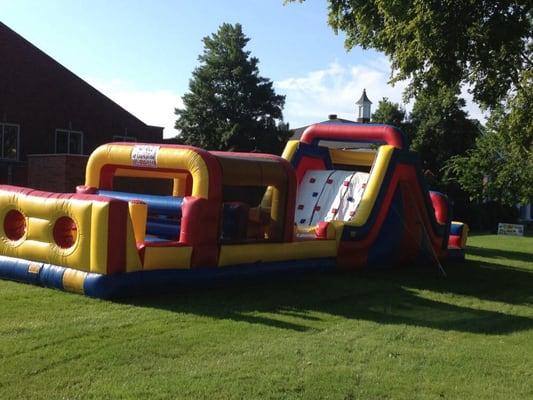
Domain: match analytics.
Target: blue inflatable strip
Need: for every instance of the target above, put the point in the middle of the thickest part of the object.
(17, 270)
(314, 151)
(150, 238)
(159, 281)
(168, 281)
(164, 205)
(456, 229)
(31, 272)
(384, 251)
(166, 230)
(52, 276)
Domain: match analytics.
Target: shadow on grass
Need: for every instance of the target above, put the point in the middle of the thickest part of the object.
(500, 254)
(388, 297)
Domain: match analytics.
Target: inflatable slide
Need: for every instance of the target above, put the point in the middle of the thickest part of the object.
(345, 196)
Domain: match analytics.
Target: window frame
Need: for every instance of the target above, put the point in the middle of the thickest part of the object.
(2, 131)
(69, 132)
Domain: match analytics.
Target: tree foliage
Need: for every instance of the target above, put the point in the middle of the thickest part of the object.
(438, 128)
(500, 167)
(229, 106)
(484, 43)
(441, 129)
(388, 112)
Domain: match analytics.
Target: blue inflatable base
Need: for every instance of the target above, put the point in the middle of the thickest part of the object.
(156, 281)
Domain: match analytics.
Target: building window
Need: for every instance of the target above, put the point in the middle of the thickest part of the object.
(10, 141)
(69, 142)
(122, 138)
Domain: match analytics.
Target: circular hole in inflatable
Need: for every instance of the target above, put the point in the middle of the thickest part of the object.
(14, 225)
(65, 231)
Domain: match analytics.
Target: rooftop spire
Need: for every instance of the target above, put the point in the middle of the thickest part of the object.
(363, 108)
(363, 99)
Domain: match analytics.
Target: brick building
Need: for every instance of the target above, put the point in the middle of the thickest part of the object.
(50, 119)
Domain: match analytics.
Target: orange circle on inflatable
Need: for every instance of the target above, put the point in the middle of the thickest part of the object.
(14, 225)
(65, 232)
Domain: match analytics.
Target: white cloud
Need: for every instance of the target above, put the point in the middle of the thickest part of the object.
(335, 89)
(154, 107)
(310, 98)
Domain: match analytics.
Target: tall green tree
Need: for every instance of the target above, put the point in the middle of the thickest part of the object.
(438, 128)
(500, 167)
(229, 106)
(441, 129)
(388, 112)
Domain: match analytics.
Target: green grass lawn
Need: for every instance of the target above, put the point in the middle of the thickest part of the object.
(384, 335)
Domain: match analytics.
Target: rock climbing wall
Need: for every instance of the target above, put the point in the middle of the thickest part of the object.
(329, 195)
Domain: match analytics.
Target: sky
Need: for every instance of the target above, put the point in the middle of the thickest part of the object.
(142, 53)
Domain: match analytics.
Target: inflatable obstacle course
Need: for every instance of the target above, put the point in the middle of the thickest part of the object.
(331, 201)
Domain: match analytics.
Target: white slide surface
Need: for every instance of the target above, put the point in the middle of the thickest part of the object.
(329, 195)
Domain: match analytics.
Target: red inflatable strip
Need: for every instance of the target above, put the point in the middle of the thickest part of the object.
(354, 133)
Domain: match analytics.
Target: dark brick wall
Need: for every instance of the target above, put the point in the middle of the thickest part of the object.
(56, 172)
(13, 173)
(41, 96)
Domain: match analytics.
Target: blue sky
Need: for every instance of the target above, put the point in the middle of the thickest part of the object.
(141, 53)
